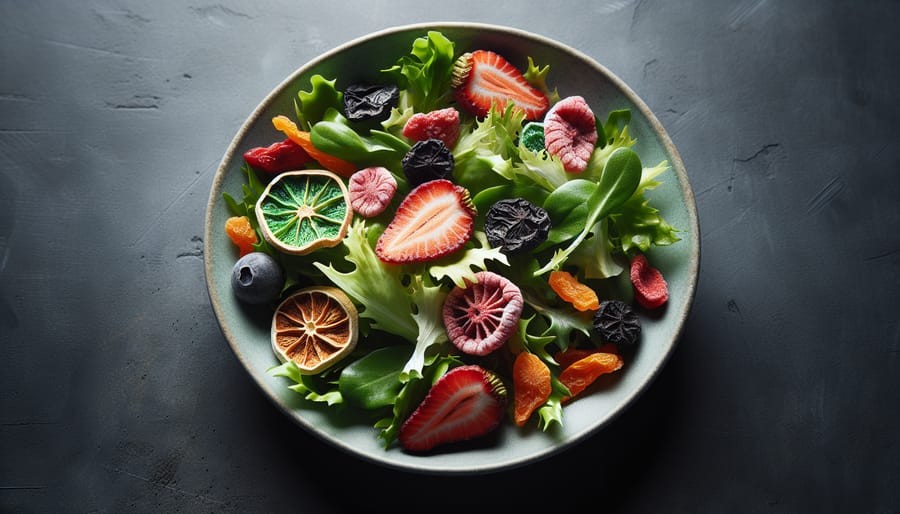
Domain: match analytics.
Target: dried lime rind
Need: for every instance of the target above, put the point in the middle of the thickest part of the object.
(301, 211)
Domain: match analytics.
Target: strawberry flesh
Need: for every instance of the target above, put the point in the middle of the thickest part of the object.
(483, 78)
(441, 124)
(435, 219)
(466, 403)
(650, 288)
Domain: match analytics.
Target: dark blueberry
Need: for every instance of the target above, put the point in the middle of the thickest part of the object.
(257, 278)
(370, 101)
(616, 322)
(516, 225)
(426, 161)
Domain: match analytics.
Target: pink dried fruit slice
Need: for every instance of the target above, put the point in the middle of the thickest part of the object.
(441, 124)
(650, 288)
(371, 190)
(482, 316)
(570, 133)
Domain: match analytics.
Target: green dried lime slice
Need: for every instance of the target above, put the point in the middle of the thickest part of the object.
(301, 211)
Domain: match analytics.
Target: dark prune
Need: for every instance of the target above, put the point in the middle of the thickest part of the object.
(370, 101)
(427, 160)
(516, 225)
(616, 322)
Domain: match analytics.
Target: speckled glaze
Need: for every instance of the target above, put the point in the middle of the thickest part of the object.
(247, 329)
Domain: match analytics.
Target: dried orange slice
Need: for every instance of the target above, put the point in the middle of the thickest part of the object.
(315, 328)
(301, 211)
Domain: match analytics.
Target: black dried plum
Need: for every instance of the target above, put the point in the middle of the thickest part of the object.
(370, 101)
(516, 225)
(427, 160)
(616, 322)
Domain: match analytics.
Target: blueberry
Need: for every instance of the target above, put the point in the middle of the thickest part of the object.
(257, 278)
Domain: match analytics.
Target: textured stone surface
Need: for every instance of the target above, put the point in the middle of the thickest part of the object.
(118, 392)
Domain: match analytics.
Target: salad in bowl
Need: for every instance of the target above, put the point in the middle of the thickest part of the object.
(450, 248)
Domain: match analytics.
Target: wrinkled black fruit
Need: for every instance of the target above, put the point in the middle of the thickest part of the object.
(426, 161)
(365, 101)
(516, 225)
(616, 322)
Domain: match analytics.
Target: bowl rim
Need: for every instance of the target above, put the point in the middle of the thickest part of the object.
(677, 166)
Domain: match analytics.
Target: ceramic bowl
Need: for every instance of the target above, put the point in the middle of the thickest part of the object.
(573, 73)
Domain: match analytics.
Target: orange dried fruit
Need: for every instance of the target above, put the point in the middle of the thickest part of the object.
(241, 234)
(583, 372)
(531, 386)
(315, 328)
(569, 356)
(571, 290)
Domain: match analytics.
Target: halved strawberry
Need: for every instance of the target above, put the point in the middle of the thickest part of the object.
(482, 77)
(435, 219)
(467, 402)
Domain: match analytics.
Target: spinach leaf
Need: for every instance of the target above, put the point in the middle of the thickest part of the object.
(373, 381)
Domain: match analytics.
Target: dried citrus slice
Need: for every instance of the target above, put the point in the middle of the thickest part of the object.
(315, 328)
(301, 211)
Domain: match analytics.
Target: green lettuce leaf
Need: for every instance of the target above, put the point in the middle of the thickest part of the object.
(636, 225)
(307, 385)
(423, 75)
(462, 266)
(311, 106)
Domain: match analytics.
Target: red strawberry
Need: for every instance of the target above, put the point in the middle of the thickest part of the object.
(434, 220)
(467, 402)
(441, 124)
(481, 78)
(650, 288)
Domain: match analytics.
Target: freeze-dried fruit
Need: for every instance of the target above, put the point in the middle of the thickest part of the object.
(516, 225)
(303, 139)
(371, 190)
(482, 316)
(257, 278)
(650, 288)
(370, 101)
(427, 160)
(441, 124)
(241, 233)
(616, 322)
(570, 133)
(585, 371)
(482, 79)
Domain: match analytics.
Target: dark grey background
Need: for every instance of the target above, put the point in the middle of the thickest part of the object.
(118, 392)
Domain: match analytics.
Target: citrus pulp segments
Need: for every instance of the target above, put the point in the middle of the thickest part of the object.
(301, 211)
(315, 328)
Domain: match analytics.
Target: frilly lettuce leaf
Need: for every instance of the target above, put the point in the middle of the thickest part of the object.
(462, 266)
(423, 75)
(315, 103)
(636, 225)
(488, 146)
(373, 285)
(537, 77)
(428, 300)
(305, 385)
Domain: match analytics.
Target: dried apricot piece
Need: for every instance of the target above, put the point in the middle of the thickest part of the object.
(531, 386)
(583, 372)
(569, 356)
(571, 290)
(315, 327)
(241, 234)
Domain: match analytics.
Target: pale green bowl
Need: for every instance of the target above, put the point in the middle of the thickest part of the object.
(247, 330)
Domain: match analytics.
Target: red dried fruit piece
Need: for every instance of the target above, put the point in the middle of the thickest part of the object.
(483, 78)
(481, 317)
(531, 386)
(570, 133)
(435, 219)
(650, 288)
(584, 372)
(371, 190)
(278, 157)
(441, 124)
(467, 402)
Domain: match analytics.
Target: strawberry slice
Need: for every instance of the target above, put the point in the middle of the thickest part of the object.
(482, 78)
(434, 220)
(441, 124)
(467, 402)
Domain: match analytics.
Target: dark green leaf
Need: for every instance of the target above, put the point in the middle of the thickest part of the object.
(374, 381)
